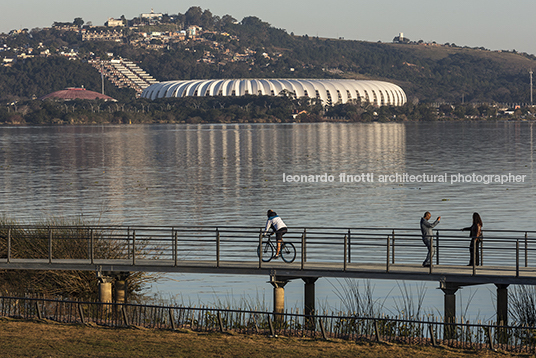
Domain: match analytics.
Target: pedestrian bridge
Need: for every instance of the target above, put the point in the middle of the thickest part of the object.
(507, 257)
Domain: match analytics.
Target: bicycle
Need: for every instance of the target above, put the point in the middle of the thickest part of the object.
(288, 251)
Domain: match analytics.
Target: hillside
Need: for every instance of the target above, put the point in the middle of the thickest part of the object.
(224, 48)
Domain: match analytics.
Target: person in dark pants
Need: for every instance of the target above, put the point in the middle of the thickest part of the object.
(427, 233)
(277, 225)
(476, 237)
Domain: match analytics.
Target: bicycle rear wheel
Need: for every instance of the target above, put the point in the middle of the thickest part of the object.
(288, 252)
(267, 251)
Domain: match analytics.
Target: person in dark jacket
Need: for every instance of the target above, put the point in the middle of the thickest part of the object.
(476, 237)
(277, 225)
(427, 233)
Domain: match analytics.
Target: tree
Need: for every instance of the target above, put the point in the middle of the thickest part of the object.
(193, 16)
(207, 20)
(227, 20)
(78, 22)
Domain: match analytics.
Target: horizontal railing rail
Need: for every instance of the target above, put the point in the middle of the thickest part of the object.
(342, 248)
(490, 335)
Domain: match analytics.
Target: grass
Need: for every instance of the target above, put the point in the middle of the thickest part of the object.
(49, 339)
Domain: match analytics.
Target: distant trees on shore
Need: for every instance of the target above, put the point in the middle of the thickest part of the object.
(253, 109)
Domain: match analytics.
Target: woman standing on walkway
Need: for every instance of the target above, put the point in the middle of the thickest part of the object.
(476, 236)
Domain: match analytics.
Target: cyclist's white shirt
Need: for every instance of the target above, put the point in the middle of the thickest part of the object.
(276, 221)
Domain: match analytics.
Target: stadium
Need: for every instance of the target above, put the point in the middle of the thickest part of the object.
(330, 92)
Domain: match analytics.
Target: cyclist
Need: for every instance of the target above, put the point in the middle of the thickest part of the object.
(277, 225)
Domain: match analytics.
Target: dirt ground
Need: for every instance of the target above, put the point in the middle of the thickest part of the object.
(50, 339)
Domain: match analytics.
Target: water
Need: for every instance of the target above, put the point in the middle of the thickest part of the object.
(231, 174)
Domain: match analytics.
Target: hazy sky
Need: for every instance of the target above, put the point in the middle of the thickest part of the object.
(493, 24)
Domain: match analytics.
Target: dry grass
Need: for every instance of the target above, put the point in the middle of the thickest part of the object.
(48, 339)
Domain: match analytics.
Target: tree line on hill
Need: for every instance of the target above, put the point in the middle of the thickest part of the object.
(439, 74)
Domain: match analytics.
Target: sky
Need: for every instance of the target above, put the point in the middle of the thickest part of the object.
(493, 24)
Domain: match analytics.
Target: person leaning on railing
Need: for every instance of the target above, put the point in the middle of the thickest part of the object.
(276, 224)
(476, 237)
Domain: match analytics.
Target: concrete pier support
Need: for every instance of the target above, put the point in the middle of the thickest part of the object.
(105, 291)
(120, 291)
(121, 287)
(309, 300)
(105, 287)
(279, 295)
(449, 289)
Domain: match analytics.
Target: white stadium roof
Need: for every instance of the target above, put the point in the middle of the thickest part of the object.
(330, 92)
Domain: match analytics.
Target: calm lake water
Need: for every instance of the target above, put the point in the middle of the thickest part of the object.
(231, 174)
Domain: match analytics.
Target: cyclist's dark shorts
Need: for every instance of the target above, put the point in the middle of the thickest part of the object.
(279, 233)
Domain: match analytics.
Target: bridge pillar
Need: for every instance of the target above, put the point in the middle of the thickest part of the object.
(279, 296)
(502, 311)
(502, 304)
(449, 289)
(105, 290)
(121, 287)
(309, 301)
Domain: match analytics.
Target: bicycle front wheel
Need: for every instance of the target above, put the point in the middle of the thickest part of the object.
(267, 251)
(288, 252)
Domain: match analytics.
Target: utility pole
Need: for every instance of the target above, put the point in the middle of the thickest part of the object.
(530, 72)
(102, 76)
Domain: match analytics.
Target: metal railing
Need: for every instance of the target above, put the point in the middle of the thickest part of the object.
(339, 247)
(512, 338)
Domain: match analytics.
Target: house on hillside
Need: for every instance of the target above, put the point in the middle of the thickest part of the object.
(114, 22)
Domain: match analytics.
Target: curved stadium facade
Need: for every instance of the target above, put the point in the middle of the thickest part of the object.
(331, 92)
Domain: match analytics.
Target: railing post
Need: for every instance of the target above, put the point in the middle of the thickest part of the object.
(128, 242)
(272, 332)
(81, 313)
(304, 245)
(490, 337)
(393, 246)
(91, 247)
(176, 253)
(171, 319)
(133, 247)
(517, 258)
(303, 249)
(38, 309)
(481, 249)
(349, 248)
(475, 252)
(377, 331)
(430, 269)
(437, 249)
(526, 250)
(8, 245)
(388, 249)
(256, 325)
(49, 245)
(432, 335)
(345, 251)
(260, 248)
(125, 316)
(217, 250)
(172, 244)
(220, 322)
(322, 329)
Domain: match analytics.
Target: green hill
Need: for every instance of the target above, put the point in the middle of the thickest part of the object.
(427, 72)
